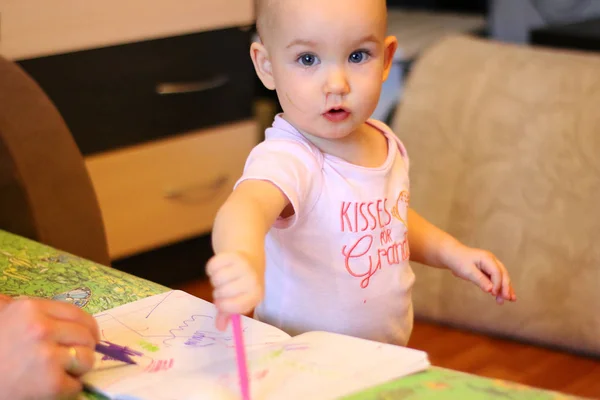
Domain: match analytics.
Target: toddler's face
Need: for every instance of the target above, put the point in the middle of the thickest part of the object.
(327, 61)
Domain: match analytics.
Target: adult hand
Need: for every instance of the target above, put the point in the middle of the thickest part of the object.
(4, 300)
(45, 346)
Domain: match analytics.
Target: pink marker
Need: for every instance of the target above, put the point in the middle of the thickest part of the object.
(240, 353)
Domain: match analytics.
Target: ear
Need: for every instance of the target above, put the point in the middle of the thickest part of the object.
(390, 46)
(262, 64)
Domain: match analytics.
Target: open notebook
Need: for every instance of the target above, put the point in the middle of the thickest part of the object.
(185, 357)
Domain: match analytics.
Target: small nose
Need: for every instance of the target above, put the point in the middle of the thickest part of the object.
(337, 82)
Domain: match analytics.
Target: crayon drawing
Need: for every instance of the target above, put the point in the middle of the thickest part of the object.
(180, 353)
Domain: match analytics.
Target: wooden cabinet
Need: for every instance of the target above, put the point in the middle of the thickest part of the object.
(158, 193)
(36, 28)
(130, 93)
(158, 96)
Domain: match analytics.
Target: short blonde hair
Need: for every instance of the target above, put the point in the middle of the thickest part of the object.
(265, 11)
(263, 17)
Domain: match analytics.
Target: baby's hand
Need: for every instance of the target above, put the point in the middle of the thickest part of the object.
(238, 288)
(483, 269)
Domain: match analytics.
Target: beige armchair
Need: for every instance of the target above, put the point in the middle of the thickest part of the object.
(505, 155)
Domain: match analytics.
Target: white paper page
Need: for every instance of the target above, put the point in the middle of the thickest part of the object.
(176, 334)
(315, 366)
(319, 365)
(196, 362)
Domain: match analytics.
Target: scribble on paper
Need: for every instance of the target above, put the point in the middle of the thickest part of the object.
(148, 346)
(159, 365)
(119, 351)
(176, 336)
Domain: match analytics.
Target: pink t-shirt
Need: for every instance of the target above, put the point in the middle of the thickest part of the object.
(340, 263)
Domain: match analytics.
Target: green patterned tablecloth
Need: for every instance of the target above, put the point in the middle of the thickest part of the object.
(442, 384)
(28, 268)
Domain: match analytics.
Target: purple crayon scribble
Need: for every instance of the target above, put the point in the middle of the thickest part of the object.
(116, 352)
(206, 338)
(199, 339)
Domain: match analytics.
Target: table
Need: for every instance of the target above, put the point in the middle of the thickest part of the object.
(32, 269)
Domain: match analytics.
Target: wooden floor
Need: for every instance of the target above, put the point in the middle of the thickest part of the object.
(491, 357)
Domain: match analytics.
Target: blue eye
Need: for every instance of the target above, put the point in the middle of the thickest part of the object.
(308, 59)
(358, 56)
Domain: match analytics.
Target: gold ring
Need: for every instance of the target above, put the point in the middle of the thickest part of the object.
(73, 363)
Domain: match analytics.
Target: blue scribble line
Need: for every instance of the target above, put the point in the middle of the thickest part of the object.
(182, 327)
(159, 303)
(193, 340)
(173, 336)
(197, 340)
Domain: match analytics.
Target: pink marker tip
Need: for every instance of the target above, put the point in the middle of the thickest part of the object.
(240, 352)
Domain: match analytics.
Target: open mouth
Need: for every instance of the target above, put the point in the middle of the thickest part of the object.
(337, 114)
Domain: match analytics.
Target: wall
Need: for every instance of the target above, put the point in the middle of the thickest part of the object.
(511, 20)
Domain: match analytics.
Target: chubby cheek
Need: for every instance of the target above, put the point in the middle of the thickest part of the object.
(295, 96)
(367, 93)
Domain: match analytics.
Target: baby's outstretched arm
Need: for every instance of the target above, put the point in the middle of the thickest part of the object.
(236, 271)
(431, 246)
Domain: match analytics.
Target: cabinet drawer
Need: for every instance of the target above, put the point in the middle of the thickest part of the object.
(124, 95)
(165, 191)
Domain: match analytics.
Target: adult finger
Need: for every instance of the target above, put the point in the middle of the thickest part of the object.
(53, 380)
(5, 300)
(76, 360)
(72, 334)
(43, 315)
(70, 313)
(69, 386)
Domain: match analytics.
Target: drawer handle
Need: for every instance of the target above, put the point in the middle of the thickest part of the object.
(197, 193)
(166, 88)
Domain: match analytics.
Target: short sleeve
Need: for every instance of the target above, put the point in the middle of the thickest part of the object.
(293, 168)
(389, 133)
